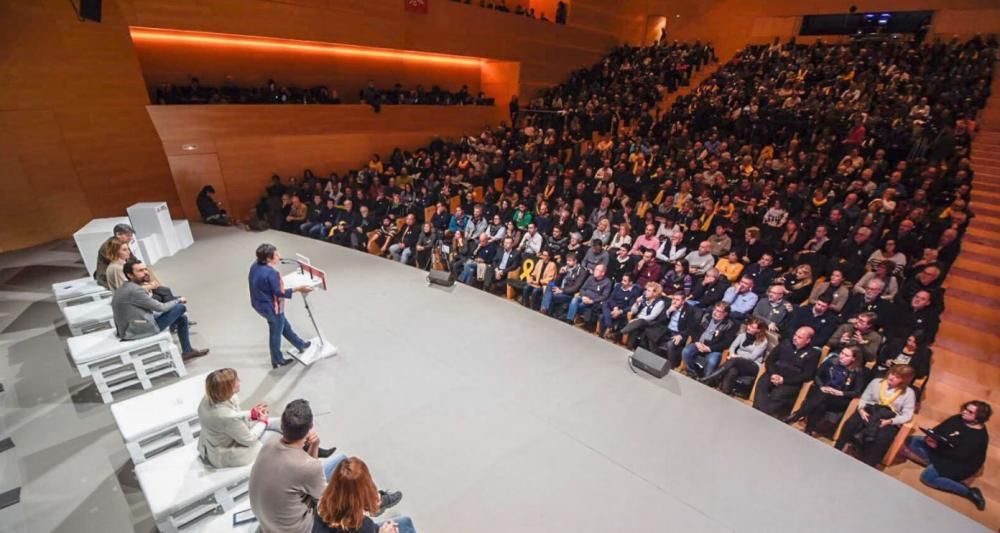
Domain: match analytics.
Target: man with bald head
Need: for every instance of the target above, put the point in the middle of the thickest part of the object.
(591, 296)
(701, 259)
(790, 364)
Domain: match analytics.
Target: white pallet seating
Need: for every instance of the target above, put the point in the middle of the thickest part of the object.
(161, 419)
(89, 317)
(78, 291)
(115, 364)
(180, 489)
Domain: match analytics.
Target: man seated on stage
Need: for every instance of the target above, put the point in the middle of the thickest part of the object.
(123, 234)
(288, 477)
(595, 291)
(792, 363)
(137, 315)
(267, 296)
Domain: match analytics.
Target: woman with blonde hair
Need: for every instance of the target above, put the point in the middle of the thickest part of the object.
(885, 405)
(229, 437)
(798, 283)
(117, 253)
(350, 499)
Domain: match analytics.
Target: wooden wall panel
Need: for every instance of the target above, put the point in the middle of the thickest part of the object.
(170, 62)
(449, 27)
(78, 142)
(192, 172)
(252, 142)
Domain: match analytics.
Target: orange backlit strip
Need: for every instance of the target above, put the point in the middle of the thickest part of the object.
(267, 43)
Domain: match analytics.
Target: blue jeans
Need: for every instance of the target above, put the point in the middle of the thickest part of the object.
(711, 359)
(930, 476)
(403, 524)
(330, 464)
(468, 273)
(176, 316)
(400, 254)
(277, 327)
(576, 305)
(318, 231)
(549, 297)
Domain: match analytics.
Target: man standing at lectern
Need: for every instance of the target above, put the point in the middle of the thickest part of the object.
(267, 296)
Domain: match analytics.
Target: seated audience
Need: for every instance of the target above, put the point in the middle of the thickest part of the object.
(790, 364)
(594, 291)
(885, 405)
(746, 355)
(838, 381)
(709, 337)
(211, 210)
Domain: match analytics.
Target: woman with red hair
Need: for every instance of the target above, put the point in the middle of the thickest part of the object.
(348, 501)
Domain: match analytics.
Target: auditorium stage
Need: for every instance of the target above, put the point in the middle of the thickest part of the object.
(489, 417)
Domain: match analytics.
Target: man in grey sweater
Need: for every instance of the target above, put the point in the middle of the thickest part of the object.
(138, 315)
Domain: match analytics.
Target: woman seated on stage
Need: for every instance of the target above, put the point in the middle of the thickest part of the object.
(885, 405)
(746, 354)
(231, 437)
(349, 499)
(956, 454)
(117, 254)
(838, 381)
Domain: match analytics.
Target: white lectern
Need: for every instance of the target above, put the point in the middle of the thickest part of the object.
(320, 347)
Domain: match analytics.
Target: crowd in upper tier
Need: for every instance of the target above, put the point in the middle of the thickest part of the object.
(788, 223)
(273, 93)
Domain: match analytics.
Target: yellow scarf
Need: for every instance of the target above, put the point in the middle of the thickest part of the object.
(884, 398)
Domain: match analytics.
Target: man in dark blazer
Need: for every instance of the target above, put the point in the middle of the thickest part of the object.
(506, 260)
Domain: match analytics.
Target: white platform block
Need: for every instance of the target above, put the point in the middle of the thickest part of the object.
(90, 238)
(78, 291)
(153, 218)
(89, 317)
(151, 249)
(183, 231)
(175, 424)
(179, 488)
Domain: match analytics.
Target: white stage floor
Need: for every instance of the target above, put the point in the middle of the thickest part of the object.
(489, 417)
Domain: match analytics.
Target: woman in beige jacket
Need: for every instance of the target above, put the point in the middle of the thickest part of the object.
(229, 437)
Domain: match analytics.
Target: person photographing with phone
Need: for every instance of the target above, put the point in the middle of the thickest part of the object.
(267, 296)
(954, 451)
